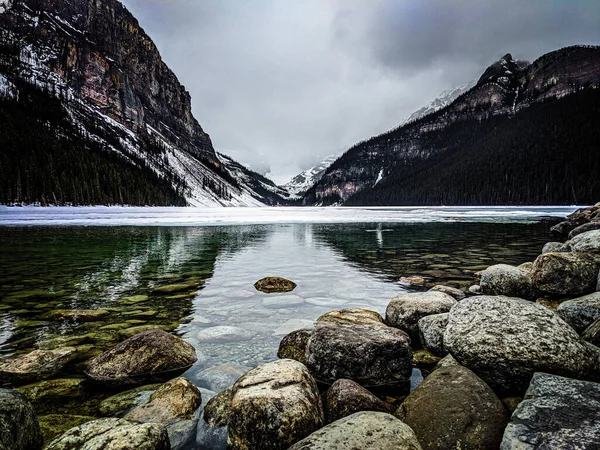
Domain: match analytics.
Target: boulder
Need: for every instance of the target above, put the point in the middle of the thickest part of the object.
(431, 332)
(556, 413)
(592, 333)
(584, 228)
(212, 431)
(123, 402)
(581, 312)
(528, 266)
(274, 284)
(352, 316)
(147, 356)
(273, 406)
(362, 430)
(585, 242)
(217, 411)
(555, 247)
(511, 281)
(345, 397)
(219, 378)
(566, 273)
(293, 345)
(562, 229)
(454, 408)
(505, 340)
(48, 395)
(53, 425)
(405, 310)
(457, 294)
(367, 354)
(19, 427)
(113, 434)
(446, 361)
(475, 289)
(36, 365)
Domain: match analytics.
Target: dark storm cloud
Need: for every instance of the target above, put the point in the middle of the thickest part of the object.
(288, 81)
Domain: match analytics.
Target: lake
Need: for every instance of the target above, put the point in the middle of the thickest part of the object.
(124, 261)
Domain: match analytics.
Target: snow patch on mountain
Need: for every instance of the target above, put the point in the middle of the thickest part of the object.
(307, 178)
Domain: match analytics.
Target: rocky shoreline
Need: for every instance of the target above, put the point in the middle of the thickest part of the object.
(512, 363)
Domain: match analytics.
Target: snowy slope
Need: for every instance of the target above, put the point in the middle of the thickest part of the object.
(305, 179)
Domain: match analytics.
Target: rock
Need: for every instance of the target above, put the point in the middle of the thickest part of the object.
(475, 289)
(446, 361)
(178, 287)
(53, 425)
(584, 228)
(212, 433)
(585, 242)
(78, 315)
(345, 397)
(293, 345)
(224, 334)
(454, 408)
(292, 325)
(149, 355)
(425, 359)
(511, 281)
(362, 430)
(566, 273)
(528, 266)
(352, 316)
(457, 294)
(274, 284)
(217, 411)
(431, 332)
(556, 413)
(562, 229)
(412, 281)
(405, 310)
(219, 378)
(36, 365)
(592, 333)
(273, 406)
(505, 340)
(511, 403)
(47, 395)
(113, 434)
(555, 247)
(121, 403)
(581, 312)
(367, 354)
(19, 427)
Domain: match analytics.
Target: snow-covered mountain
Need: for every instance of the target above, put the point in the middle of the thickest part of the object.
(441, 101)
(298, 185)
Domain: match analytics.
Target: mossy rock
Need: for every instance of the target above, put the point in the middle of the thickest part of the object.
(132, 331)
(178, 287)
(274, 284)
(78, 315)
(50, 395)
(426, 359)
(134, 299)
(183, 296)
(53, 425)
(121, 403)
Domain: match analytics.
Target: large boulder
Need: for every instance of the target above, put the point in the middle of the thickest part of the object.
(293, 345)
(581, 312)
(113, 434)
(431, 332)
(274, 284)
(19, 427)
(36, 365)
(585, 242)
(345, 397)
(273, 406)
(584, 228)
(562, 229)
(566, 273)
(555, 247)
(505, 340)
(592, 333)
(556, 413)
(405, 310)
(151, 355)
(362, 430)
(352, 316)
(511, 281)
(367, 354)
(454, 408)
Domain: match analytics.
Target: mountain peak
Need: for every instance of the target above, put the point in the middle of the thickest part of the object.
(504, 71)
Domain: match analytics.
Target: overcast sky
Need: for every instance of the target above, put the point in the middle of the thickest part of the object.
(283, 83)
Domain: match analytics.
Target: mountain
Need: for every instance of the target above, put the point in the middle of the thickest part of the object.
(524, 134)
(92, 115)
(298, 185)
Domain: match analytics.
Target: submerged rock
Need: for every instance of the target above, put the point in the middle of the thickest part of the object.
(36, 365)
(121, 403)
(431, 332)
(511, 281)
(273, 406)
(47, 395)
(53, 425)
(581, 312)
(78, 315)
(274, 284)
(367, 354)
(453, 408)
(405, 310)
(345, 397)
(149, 355)
(293, 345)
(566, 273)
(113, 434)
(19, 427)
(352, 316)
(362, 430)
(457, 294)
(223, 334)
(178, 287)
(556, 413)
(219, 378)
(505, 340)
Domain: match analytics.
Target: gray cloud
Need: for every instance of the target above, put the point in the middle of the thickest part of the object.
(285, 82)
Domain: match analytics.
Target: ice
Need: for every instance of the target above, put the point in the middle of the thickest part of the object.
(202, 216)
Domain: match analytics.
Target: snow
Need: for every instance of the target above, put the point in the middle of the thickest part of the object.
(306, 179)
(152, 216)
(379, 177)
